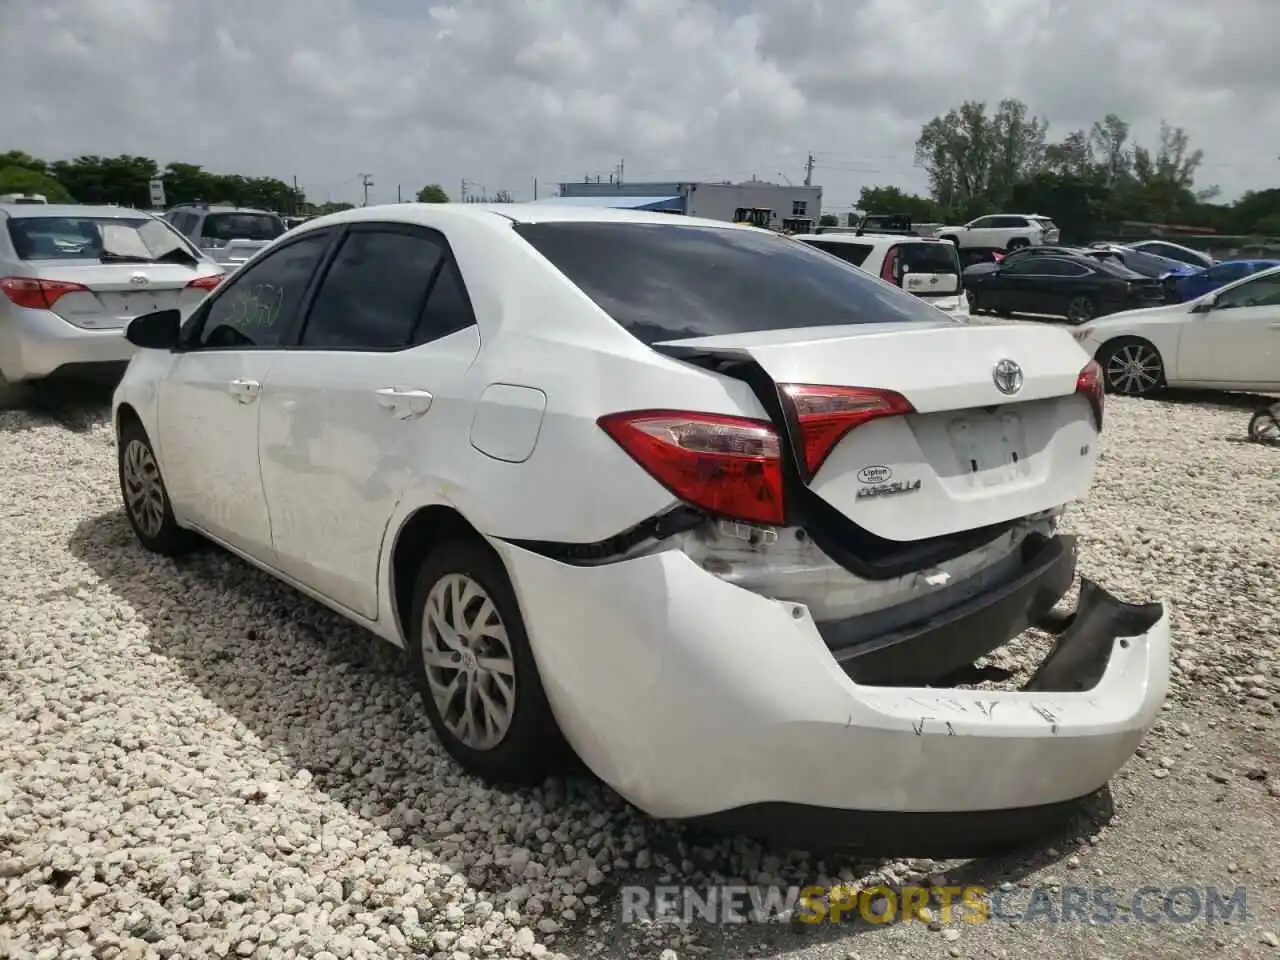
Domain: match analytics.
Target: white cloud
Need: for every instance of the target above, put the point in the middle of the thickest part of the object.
(504, 92)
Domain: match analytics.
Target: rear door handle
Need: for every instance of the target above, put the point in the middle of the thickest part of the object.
(404, 403)
(246, 391)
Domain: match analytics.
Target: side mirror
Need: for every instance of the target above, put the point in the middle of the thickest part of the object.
(1203, 306)
(155, 331)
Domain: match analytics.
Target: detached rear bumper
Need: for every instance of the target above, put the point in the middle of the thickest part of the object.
(696, 699)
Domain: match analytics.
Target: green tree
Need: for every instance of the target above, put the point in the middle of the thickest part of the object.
(432, 193)
(828, 220)
(890, 199)
(973, 160)
(14, 179)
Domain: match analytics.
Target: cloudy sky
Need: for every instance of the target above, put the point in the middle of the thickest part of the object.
(503, 92)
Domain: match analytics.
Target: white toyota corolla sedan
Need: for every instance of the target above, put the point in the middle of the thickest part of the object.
(726, 515)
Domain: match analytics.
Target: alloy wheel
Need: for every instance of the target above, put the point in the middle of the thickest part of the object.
(469, 664)
(1135, 369)
(143, 490)
(1080, 310)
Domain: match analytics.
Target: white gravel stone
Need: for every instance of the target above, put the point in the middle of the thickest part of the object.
(198, 761)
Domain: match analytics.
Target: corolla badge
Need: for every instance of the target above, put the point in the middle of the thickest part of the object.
(1007, 376)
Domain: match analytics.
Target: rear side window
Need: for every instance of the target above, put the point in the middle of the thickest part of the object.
(373, 294)
(665, 282)
(854, 253)
(241, 226)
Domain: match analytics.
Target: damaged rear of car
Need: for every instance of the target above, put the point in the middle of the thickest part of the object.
(840, 553)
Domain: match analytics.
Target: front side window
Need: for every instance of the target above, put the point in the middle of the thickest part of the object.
(1054, 267)
(674, 282)
(257, 305)
(1021, 267)
(373, 293)
(1258, 292)
(982, 223)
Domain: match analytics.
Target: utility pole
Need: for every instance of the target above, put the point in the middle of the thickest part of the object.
(621, 166)
(462, 197)
(808, 171)
(398, 200)
(366, 181)
(535, 188)
(294, 202)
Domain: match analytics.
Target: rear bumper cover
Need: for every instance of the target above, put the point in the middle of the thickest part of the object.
(37, 343)
(696, 699)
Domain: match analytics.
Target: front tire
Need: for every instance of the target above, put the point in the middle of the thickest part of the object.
(1017, 243)
(475, 670)
(146, 499)
(1131, 367)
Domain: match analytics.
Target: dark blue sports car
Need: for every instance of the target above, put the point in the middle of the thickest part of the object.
(1200, 282)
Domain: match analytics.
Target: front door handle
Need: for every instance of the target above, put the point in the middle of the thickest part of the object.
(246, 391)
(404, 403)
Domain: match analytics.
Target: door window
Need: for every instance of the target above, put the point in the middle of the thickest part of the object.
(1055, 267)
(373, 294)
(1258, 292)
(256, 307)
(1023, 267)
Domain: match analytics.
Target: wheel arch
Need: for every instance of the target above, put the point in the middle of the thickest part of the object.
(417, 535)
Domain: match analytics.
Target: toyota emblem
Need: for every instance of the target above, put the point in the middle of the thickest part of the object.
(1007, 376)
(139, 280)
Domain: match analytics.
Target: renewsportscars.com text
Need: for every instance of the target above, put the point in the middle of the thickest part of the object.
(946, 904)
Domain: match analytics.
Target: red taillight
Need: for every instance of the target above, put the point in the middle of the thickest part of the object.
(37, 294)
(730, 466)
(206, 283)
(1089, 385)
(826, 414)
(886, 268)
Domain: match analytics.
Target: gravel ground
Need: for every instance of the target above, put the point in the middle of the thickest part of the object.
(196, 761)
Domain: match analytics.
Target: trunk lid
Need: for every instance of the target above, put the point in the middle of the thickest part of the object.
(969, 456)
(118, 292)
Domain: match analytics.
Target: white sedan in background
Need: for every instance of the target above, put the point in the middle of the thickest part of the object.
(1226, 340)
(729, 516)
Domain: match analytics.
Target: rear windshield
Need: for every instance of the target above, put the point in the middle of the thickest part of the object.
(241, 226)
(854, 253)
(930, 257)
(1046, 223)
(112, 239)
(672, 282)
(1148, 264)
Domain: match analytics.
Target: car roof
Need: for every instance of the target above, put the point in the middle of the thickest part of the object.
(872, 238)
(436, 214)
(220, 208)
(19, 211)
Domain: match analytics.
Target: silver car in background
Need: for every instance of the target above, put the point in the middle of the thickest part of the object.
(230, 235)
(73, 276)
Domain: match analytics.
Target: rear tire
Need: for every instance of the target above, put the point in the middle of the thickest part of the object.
(1131, 367)
(1080, 310)
(146, 499)
(475, 670)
